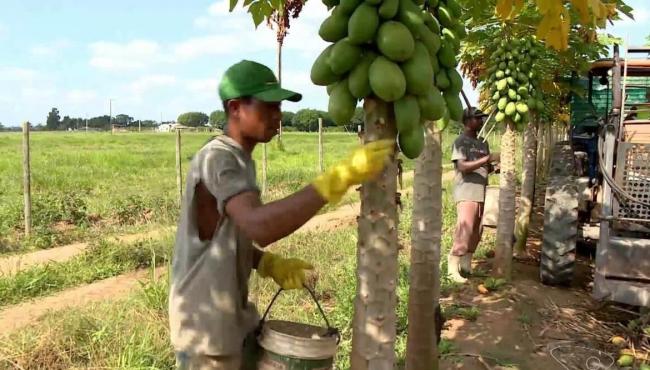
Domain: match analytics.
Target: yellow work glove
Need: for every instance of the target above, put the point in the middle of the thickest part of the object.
(365, 163)
(288, 273)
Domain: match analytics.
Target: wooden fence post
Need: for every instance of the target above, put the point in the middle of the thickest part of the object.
(27, 187)
(179, 174)
(320, 145)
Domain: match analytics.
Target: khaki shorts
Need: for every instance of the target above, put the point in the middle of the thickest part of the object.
(468, 227)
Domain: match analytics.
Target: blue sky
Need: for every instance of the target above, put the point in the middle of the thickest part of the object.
(155, 58)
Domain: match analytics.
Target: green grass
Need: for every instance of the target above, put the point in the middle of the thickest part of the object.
(85, 183)
(133, 333)
(99, 261)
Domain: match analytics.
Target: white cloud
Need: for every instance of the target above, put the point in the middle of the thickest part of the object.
(37, 93)
(50, 49)
(78, 96)
(150, 82)
(136, 54)
(203, 87)
(18, 74)
(206, 45)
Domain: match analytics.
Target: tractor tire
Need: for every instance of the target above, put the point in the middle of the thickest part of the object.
(557, 260)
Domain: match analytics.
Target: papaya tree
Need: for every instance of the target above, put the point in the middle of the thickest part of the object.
(426, 223)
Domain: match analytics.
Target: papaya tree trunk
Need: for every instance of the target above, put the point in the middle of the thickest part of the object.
(374, 322)
(424, 276)
(541, 147)
(506, 223)
(526, 199)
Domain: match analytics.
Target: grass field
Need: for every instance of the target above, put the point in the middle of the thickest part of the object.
(89, 183)
(101, 184)
(133, 333)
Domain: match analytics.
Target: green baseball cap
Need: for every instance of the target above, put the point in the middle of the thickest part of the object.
(252, 79)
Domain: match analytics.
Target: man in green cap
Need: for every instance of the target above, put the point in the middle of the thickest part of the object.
(224, 224)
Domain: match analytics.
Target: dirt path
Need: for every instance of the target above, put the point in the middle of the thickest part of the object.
(528, 325)
(17, 316)
(13, 264)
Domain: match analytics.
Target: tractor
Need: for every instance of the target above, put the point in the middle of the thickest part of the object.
(598, 190)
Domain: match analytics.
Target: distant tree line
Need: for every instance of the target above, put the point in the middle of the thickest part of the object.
(302, 120)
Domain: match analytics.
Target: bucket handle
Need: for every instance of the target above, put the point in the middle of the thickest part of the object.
(331, 331)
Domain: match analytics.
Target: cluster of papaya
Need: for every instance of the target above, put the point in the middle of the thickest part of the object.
(513, 81)
(398, 51)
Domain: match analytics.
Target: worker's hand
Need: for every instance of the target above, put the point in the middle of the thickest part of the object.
(365, 163)
(288, 273)
(495, 158)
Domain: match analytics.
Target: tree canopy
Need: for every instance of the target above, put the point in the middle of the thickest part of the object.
(193, 119)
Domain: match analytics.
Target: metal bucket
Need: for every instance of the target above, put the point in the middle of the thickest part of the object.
(296, 346)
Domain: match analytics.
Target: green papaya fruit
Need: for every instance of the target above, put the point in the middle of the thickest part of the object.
(442, 80)
(455, 81)
(511, 109)
(508, 72)
(411, 142)
(373, 2)
(540, 105)
(511, 81)
(454, 8)
(386, 79)
(344, 56)
(451, 37)
(410, 15)
(321, 73)
(518, 97)
(503, 66)
(532, 103)
(435, 65)
(502, 84)
(522, 108)
(341, 104)
(460, 31)
(330, 3)
(395, 41)
(447, 55)
(517, 118)
(445, 17)
(512, 65)
(500, 116)
(496, 96)
(500, 74)
(512, 94)
(430, 40)
(432, 105)
(454, 106)
(348, 6)
(407, 113)
(334, 27)
(388, 9)
(442, 123)
(492, 70)
(523, 91)
(359, 80)
(522, 78)
(363, 24)
(431, 22)
(331, 87)
(501, 105)
(418, 71)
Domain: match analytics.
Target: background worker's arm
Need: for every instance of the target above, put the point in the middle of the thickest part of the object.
(465, 166)
(267, 223)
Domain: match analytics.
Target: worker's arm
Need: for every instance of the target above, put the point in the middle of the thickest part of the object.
(267, 223)
(471, 166)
